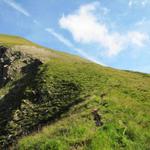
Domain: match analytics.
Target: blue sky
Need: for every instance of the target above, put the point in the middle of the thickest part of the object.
(113, 33)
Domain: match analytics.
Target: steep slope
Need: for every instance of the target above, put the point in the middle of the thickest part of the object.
(19, 63)
(125, 109)
(41, 86)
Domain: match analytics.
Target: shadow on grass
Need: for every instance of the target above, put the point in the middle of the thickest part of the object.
(13, 99)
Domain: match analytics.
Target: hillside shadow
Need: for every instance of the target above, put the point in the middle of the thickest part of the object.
(12, 101)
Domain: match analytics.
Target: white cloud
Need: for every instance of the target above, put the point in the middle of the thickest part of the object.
(69, 44)
(145, 2)
(130, 3)
(17, 7)
(86, 27)
(137, 38)
(59, 37)
(142, 3)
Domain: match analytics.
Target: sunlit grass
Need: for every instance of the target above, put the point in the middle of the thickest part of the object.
(72, 87)
(125, 116)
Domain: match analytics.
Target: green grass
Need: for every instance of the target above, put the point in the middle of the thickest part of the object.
(63, 91)
(23, 45)
(125, 115)
(10, 40)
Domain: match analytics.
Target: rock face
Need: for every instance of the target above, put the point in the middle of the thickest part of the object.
(32, 98)
(4, 66)
(12, 62)
(8, 68)
(17, 69)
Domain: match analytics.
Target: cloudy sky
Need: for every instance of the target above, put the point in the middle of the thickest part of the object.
(113, 33)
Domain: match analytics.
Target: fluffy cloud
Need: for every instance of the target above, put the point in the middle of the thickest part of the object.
(86, 27)
(69, 44)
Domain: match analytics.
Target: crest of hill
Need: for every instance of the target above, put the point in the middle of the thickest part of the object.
(17, 43)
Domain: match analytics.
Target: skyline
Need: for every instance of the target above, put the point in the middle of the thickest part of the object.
(112, 34)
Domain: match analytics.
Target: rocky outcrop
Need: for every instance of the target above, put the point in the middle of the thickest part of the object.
(7, 57)
(4, 65)
(13, 63)
(17, 69)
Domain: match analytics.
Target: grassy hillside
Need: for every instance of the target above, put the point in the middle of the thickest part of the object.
(14, 40)
(55, 93)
